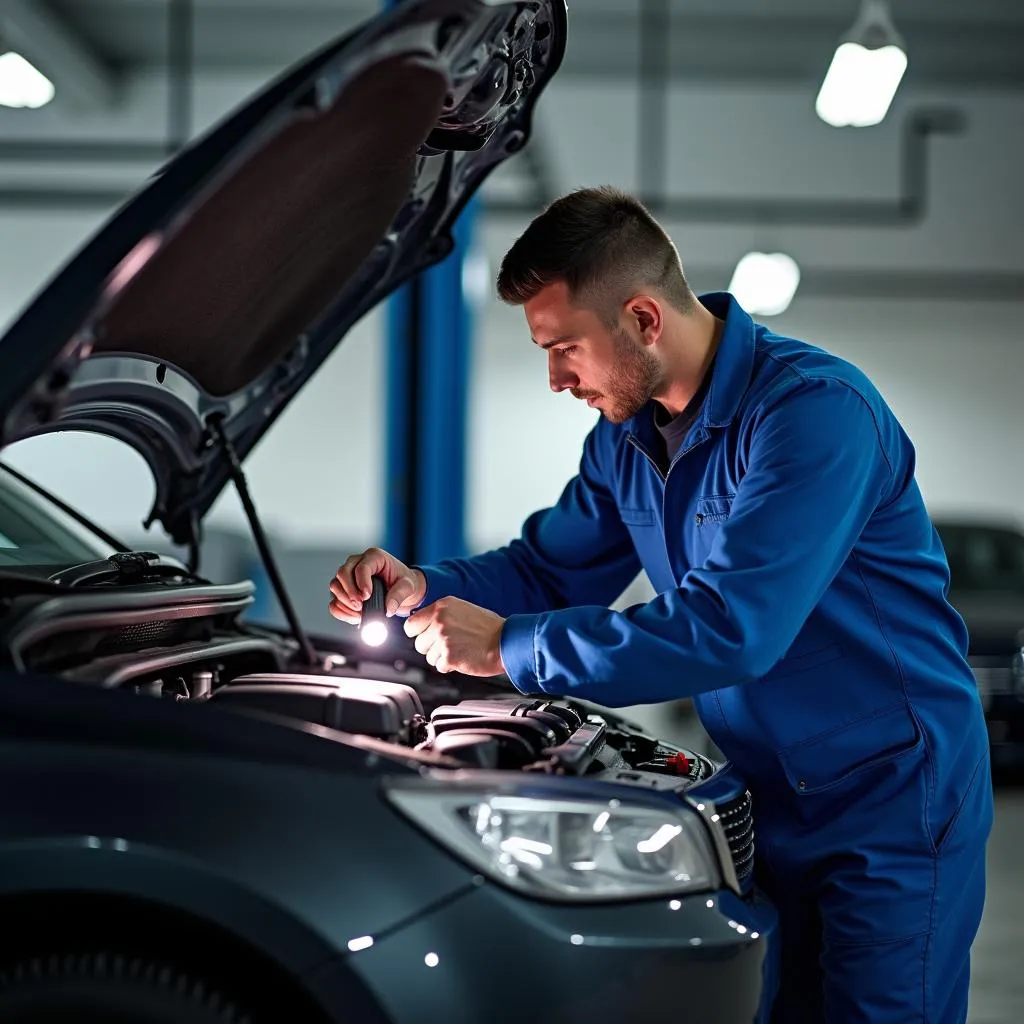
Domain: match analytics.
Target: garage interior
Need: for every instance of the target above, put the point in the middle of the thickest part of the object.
(904, 236)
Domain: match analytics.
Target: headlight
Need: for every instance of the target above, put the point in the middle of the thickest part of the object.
(567, 849)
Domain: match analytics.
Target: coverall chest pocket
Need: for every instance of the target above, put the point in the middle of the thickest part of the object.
(711, 511)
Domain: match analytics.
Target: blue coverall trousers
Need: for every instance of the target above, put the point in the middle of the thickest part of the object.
(877, 913)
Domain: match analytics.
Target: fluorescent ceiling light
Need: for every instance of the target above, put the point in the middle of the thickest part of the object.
(21, 84)
(865, 72)
(764, 283)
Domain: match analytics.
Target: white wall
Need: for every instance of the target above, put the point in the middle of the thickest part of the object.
(950, 368)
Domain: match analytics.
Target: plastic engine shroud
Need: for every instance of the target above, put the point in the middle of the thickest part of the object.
(516, 733)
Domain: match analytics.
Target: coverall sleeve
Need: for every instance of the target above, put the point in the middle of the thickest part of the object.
(578, 551)
(816, 471)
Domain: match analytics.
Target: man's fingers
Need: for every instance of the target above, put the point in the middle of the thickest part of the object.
(355, 581)
(408, 591)
(437, 657)
(344, 612)
(346, 581)
(401, 594)
(369, 565)
(417, 622)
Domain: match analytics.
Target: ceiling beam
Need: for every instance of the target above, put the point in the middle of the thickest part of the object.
(43, 38)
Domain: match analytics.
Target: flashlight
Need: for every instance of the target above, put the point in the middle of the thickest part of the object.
(373, 627)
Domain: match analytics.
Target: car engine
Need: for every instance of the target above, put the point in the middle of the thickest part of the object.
(501, 733)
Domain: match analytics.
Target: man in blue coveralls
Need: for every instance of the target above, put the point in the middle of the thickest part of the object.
(769, 493)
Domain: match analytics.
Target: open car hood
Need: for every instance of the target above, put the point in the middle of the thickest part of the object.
(208, 300)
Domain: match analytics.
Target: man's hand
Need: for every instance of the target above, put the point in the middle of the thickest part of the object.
(456, 636)
(351, 586)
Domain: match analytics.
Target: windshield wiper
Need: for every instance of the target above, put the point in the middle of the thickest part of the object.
(216, 424)
(126, 567)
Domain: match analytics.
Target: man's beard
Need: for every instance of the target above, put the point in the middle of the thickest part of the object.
(635, 379)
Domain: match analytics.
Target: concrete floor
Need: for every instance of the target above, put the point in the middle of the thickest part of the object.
(997, 969)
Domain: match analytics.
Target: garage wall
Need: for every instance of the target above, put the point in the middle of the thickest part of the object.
(950, 364)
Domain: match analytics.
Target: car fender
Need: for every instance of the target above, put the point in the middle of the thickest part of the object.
(98, 866)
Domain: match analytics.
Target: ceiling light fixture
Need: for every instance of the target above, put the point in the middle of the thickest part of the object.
(865, 72)
(764, 283)
(22, 84)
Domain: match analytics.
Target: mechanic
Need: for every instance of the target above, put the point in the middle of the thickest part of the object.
(769, 493)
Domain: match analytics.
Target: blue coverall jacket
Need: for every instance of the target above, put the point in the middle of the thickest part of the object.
(802, 603)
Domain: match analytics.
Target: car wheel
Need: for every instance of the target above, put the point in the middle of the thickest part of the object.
(90, 988)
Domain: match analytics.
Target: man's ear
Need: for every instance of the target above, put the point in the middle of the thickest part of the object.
(645, 313)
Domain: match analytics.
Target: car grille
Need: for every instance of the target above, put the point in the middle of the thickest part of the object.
(143, 634)
(737, 819)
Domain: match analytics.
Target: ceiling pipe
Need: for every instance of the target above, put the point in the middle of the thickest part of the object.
(908, 209)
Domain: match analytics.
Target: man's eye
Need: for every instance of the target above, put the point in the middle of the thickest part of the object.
(568, 350)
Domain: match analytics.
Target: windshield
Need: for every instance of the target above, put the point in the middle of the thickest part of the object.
(983, 557)
(34, 534)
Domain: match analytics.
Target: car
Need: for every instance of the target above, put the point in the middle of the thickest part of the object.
(986, 565)
(208, 819)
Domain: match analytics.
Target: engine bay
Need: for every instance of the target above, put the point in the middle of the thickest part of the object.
(187, 643)
(505, 732)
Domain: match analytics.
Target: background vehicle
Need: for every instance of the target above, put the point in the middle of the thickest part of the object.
(986, 564)
(208, 819)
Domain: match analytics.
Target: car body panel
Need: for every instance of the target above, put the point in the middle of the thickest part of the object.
(637, 960)
(326, 851)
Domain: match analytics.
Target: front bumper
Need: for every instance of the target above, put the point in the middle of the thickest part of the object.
(490, 955)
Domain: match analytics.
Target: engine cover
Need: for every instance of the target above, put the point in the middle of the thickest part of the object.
(512, 733)
(369, 707)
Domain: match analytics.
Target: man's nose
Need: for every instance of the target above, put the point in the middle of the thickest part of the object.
(559, 378)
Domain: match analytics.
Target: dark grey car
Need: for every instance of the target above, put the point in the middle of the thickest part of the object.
(207, 820)
(986, 566)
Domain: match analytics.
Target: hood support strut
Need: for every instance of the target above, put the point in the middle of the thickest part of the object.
(238, 478)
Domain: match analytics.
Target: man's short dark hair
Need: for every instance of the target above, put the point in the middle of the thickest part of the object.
(604, 244)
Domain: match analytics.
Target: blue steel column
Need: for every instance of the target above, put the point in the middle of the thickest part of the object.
(429, 327)
(400, 391)
(443, 378)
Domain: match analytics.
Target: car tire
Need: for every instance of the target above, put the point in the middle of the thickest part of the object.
(109, 988)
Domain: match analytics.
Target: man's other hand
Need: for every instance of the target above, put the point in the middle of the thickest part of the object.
(351, 585)
(456, 636)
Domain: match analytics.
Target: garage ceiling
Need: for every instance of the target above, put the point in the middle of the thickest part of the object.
(976, 45)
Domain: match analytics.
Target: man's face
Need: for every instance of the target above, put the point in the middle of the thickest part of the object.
(611, 369)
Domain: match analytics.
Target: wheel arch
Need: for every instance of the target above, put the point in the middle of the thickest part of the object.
(181, 912)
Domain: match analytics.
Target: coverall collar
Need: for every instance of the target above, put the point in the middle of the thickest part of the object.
(730, 376)
(734, 362)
